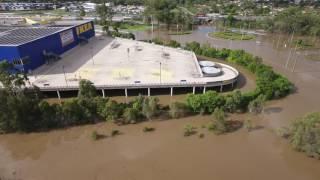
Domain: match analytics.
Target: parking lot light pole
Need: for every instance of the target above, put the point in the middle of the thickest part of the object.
(92, 55)
(65, 77)
(160, 72)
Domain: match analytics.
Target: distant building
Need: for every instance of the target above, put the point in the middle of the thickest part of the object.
(25, 6)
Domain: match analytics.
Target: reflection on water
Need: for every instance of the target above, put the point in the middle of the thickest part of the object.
(205, 29)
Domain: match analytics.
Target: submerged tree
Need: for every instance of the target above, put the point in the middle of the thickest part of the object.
(218, 124)
(256, 106)
(304, 134)
(150, 107)
(178, 110)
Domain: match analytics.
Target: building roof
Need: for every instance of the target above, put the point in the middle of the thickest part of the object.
(15, 36)
(22, 35)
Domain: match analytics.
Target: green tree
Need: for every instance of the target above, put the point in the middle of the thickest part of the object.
(82, 12)
(213, 100)
(19, 105)
(105, 14)
(74, 113)
(195, 102)
(234, 102)
(161, 10)
(13, 83)
(86, 89)
(51, 115)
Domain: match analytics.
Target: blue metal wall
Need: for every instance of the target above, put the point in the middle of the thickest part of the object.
(9, 53)
(34, 50)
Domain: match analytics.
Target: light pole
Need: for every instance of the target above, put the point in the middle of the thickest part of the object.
(160, 72)
(92, 54)
(152, 28)
(128, 52)
(290, 53)
(295, 62)
(65, 77)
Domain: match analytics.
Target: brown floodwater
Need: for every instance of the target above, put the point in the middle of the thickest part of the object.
(166, 154)
(162, 154)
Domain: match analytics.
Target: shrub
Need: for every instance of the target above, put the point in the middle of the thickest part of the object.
(94, 135)
(148, 129)
(283, 132)
(157, 41)
(189, 130)
(248, 124)
(115, 132)
(178, 110)
(173, 43)
(123, 35)
(131, 115)
(201, 135)
(112, 110)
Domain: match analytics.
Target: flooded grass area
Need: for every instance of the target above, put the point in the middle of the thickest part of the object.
(232, 35)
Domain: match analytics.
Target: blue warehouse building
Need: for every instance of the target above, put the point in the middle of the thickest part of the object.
(30, 47)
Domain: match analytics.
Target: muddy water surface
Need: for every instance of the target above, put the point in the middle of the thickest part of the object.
(163, 154)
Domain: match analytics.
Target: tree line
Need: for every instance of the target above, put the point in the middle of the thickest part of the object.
(295, 19)
(291, 20)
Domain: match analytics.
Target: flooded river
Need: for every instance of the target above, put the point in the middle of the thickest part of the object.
(165, 153)
(162, 154)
